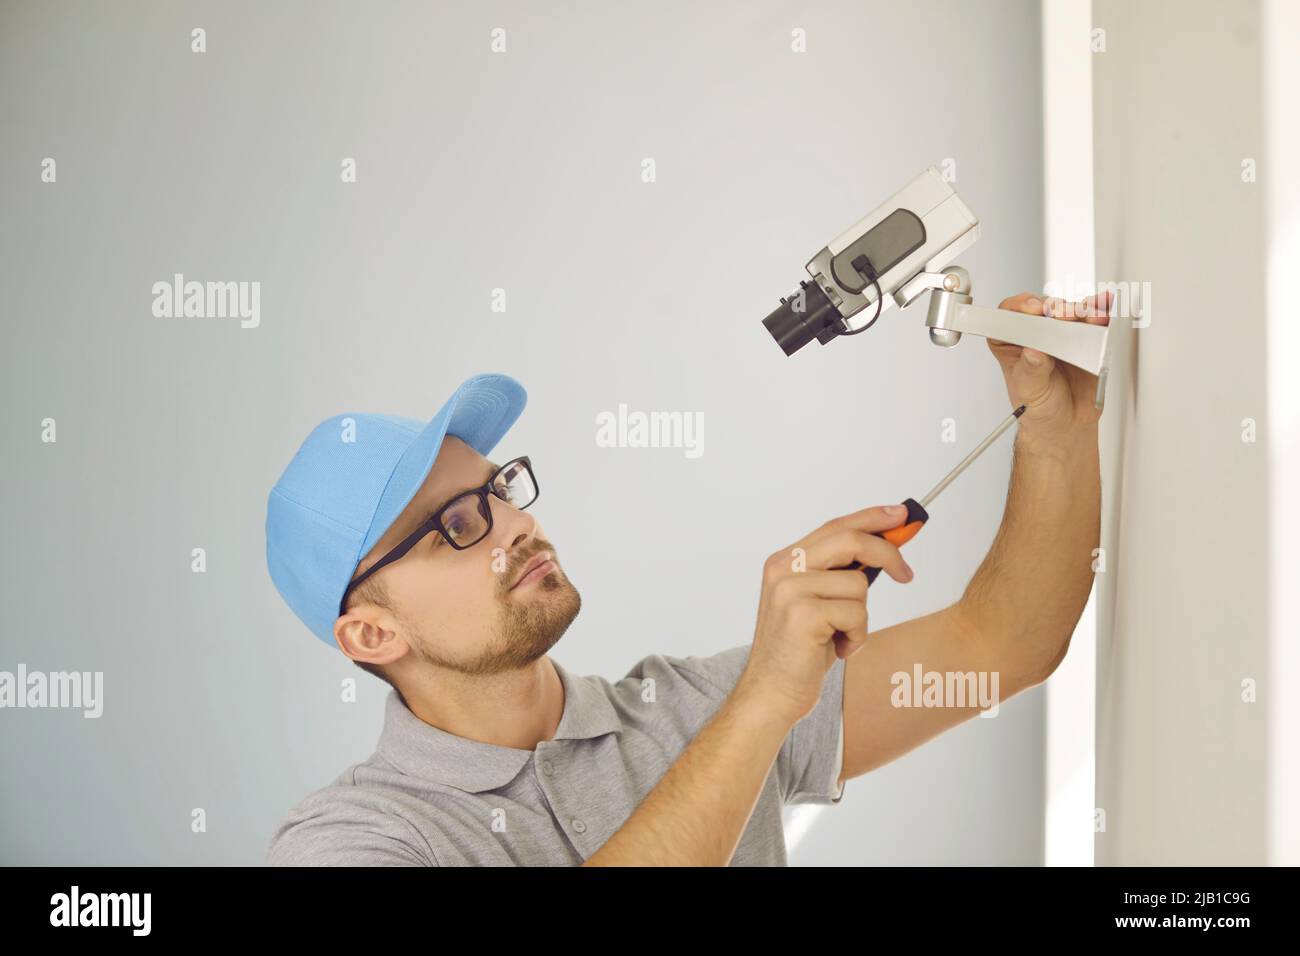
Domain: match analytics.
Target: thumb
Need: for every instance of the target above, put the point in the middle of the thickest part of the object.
(1037, 365)
(1033, 374)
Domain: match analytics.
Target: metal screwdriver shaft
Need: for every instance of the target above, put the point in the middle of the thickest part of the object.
(917, 516)
(993, 436)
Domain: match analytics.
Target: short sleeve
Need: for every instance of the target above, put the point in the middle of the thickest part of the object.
(329, 832)
(810, 760)
(815, 747)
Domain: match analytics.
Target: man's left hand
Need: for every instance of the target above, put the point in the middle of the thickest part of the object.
(1058, 397)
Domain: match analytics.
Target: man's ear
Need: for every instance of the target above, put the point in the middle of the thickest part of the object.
(368, 634)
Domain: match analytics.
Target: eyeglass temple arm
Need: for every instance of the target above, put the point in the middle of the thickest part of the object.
(406, 545)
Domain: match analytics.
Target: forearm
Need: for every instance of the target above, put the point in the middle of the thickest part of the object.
(1027, 595)
(696, 813)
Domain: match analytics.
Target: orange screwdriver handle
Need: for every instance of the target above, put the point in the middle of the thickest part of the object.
(916, 517)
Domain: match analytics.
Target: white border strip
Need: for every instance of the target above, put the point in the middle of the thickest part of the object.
(1277, 174)
(1070, 268)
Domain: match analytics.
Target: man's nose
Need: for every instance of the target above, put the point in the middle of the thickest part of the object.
(514, 528)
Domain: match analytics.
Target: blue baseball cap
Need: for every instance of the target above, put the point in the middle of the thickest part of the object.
(350, 480)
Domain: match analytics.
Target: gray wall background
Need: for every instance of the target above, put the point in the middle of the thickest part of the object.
(476, 171)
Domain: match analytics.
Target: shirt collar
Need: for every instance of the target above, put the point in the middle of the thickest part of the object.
(422, 750)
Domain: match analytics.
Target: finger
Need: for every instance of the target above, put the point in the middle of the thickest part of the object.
(848, 585)
(1056, 307)
(849, 617)
(1031, 303)
(1038, 365)
(1032, 372)
(1094, 308)
(875, 518)
(844, 547)
(848, 620)
(848, 644)
(1098, 306)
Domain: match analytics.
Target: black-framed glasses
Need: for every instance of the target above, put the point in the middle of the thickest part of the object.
(466, 519)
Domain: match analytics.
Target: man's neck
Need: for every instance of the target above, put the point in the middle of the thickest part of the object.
(516, 709)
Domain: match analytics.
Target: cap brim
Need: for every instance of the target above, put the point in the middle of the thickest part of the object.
(479, 413)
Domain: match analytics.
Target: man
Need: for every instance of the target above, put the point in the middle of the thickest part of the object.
(401, 544)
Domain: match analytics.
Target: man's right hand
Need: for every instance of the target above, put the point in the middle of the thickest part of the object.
(809, 614)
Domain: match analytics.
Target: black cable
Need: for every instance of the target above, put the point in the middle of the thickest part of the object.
(864, 266)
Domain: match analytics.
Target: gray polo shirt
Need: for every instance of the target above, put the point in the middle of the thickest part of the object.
(430, 798)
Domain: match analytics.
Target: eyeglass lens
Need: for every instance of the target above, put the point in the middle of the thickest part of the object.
(466, 519)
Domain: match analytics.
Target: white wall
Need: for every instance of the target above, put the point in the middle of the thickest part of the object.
(1182, 761)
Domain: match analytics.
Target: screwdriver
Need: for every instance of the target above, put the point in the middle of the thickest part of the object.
(916, 513)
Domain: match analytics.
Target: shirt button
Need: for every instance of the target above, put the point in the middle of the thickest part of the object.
(547, 768)
(579, 826)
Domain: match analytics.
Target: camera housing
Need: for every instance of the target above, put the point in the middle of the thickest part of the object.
(921, 228)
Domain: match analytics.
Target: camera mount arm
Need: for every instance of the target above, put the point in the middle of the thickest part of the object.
(952, 314)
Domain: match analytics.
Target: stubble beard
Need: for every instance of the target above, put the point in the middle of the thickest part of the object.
(528, 625)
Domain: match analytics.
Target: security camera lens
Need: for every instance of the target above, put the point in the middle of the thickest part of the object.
(803, 317)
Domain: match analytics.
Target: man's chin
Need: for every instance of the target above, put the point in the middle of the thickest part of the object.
(556, 597)
(540, 618)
